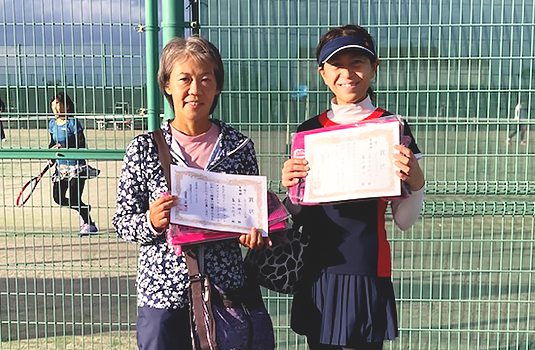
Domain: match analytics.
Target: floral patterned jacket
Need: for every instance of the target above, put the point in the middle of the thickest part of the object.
(162, 281)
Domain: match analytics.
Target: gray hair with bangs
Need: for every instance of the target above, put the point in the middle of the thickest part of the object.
(194, 48)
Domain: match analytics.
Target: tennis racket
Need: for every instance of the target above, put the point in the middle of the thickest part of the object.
(29, 187)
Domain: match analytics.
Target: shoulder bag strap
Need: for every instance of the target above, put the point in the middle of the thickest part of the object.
(205, 326)
(207, 340)
(164, 155)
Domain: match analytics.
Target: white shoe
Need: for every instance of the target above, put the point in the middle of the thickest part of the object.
(87, 229)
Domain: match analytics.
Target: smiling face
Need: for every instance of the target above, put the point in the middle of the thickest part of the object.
(349, 75)
(193, 87)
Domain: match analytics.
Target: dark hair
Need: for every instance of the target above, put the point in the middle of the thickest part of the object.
(64, 99)
(2, 106)
(348, 30)
(194, 48)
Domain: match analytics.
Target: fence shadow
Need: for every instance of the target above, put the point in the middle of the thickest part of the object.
(35, 308)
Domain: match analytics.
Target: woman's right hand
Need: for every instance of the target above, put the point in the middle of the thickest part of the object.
(160, 211)
(292, 170)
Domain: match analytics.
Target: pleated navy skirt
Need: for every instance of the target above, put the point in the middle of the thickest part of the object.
(346, 310)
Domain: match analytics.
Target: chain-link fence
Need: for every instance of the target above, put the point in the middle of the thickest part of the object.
(456, 70)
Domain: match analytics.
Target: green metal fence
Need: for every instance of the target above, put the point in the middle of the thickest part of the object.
(57, 290)
(455, 69)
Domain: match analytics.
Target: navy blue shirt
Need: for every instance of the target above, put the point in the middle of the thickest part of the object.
(348, 237)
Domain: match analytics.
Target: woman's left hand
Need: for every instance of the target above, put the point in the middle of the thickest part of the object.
(254, 239)
(408, 168)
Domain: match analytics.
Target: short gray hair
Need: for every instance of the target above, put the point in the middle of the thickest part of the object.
(195, 48)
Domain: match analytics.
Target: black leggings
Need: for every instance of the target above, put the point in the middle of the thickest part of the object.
(362, 346)
(75, 187)
(522, 129)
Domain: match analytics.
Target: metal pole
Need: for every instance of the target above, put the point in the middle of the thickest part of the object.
(172, 19)
(153, 95)
(173, 25)
(104, 73)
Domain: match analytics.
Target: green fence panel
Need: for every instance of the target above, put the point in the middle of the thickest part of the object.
(455, 70)
(58, 290)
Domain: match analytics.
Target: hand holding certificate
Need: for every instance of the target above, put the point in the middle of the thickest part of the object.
(348, 162)
(221, 202)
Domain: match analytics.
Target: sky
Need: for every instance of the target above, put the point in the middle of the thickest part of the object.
(99, 37)
(45, 40)
(70, 11)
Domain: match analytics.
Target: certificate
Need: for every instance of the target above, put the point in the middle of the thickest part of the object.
(222, 202)
(352, 163)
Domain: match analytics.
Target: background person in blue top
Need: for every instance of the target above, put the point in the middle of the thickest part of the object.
(347, 301)
(70, 174)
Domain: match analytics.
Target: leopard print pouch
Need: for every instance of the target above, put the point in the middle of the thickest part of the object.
(279, 267)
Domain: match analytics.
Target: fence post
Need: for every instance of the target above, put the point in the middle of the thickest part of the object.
(172, 26)
(173, 23)
(152, 51)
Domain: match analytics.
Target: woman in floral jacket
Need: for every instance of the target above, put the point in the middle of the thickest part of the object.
(191, 77)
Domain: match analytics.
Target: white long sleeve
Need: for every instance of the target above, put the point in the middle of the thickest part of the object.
(406, 211)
